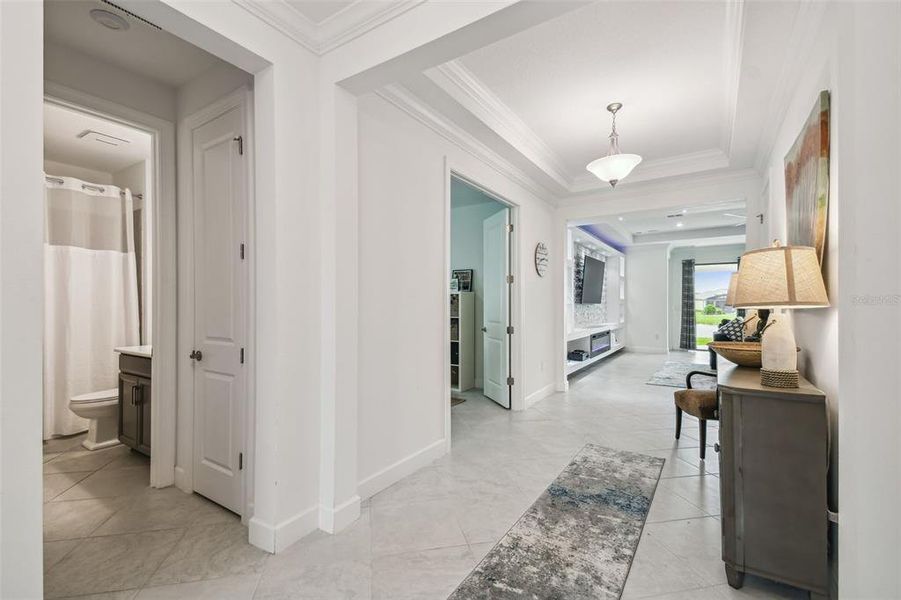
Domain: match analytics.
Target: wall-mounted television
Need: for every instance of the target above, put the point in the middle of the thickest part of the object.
(592, 281)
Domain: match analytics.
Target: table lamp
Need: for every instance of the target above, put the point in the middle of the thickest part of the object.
(780, 277)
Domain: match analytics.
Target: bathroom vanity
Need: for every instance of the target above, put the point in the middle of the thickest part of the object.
(134, 397)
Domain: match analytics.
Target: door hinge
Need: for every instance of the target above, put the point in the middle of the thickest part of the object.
(510, 329)
(242, 356)
(509, 278)
(241, 251)
(240, 461)
(240, 140)
(509, 380)
(509, 227)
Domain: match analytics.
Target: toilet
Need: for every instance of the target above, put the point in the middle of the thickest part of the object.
(102, 409)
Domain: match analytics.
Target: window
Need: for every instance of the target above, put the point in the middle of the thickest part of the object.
(711, 285)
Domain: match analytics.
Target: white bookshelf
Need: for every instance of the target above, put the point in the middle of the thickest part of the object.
(462, 336)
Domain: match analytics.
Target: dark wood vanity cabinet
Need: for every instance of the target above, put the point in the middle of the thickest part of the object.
(774, 457)
(134, 402)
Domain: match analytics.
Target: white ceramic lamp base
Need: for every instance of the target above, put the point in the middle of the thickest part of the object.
(779, 354)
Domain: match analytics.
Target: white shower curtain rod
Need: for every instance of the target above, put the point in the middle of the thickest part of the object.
(88, 186)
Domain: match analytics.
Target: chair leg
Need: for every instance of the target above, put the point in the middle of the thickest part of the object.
(702, 423)
(678, 422)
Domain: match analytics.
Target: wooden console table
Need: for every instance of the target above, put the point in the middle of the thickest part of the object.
(774, 456)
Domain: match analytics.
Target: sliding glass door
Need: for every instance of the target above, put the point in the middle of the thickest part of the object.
(711, 285)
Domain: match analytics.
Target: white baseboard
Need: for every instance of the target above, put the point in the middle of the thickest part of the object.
(540, 394)
(397, 471)
(183, 480)
(334, 519)
(274, 539)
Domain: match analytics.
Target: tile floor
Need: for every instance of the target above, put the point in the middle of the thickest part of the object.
(107, 534)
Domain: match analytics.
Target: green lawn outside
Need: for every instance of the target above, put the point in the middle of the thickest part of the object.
(703, 341)
(702, 319)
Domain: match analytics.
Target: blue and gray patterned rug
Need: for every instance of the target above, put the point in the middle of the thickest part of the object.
(578, 539)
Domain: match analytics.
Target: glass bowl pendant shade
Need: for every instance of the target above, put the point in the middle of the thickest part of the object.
(615, 166)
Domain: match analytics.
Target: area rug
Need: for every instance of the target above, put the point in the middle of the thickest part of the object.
(455, 400)
(578, 539)
(673, 373)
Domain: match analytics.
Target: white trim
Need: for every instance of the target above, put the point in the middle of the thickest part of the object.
(335, 519)
(734, 39)
(243, 98)
(275, 538)
(393, 473)
(163, 289)
(333, 32)
(463, 86)
(540, 394)
(406, 101)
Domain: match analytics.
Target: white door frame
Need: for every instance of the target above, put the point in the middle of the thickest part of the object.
(184, 469)
(163, 261)
(517, 394)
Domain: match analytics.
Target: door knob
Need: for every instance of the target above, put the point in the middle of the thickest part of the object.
(196, 355)
(484, 330)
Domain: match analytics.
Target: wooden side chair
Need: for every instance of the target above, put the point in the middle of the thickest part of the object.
(700, 404)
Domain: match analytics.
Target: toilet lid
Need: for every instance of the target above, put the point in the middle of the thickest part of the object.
(110, 394)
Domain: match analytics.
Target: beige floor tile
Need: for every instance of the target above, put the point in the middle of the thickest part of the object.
(347, 579)
(104, 484)
(424, 526)
(82, 460)
(416, 575)
(64, 444)
(77, 518)
(57, 483)
(167, 508)
(208, 552)
(56, 551)
(239, 587)
(109, 564)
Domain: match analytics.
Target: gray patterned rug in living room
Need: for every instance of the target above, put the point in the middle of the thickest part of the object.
(578, 539)
(672, 374)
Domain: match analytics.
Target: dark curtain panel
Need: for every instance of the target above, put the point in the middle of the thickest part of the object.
(687, 337)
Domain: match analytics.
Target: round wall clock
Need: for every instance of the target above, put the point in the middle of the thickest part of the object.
(541, 259)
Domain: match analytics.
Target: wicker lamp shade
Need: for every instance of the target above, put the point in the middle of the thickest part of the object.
(730, 293)
(780, 277)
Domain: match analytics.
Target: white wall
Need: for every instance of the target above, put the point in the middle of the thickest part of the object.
(139, 179)
(52, 167)
(467, 253)
(701, 254)
(215, 83)
(21, 298)
(647, 287)
(403, 287)
(851, 349)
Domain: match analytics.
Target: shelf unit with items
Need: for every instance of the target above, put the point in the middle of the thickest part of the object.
(462, 340)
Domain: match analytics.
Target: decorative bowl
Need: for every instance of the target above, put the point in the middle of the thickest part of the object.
(745, 354)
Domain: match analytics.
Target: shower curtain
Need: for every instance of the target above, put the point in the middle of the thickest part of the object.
(90, 293)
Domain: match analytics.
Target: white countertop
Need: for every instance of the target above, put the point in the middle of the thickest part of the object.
(142, 351)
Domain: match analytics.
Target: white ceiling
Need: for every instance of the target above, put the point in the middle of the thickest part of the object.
(141, 49)
(700, 83)
(62, 127)
(319, 10)
(663, 60)
(687, 225)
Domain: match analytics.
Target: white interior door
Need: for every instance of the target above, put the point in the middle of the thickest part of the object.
(496, 307)
(220, 201)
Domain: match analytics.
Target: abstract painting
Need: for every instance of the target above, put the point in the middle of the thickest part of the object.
(807, 181)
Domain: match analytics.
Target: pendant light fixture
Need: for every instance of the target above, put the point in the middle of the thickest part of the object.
(615, 166)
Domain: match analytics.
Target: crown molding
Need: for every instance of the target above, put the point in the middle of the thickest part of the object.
(673, 166)
(734, 41)
(340, 28)
(462, 85)
(406, 101)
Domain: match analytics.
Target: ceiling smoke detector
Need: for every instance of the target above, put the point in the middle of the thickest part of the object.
(110, 20)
